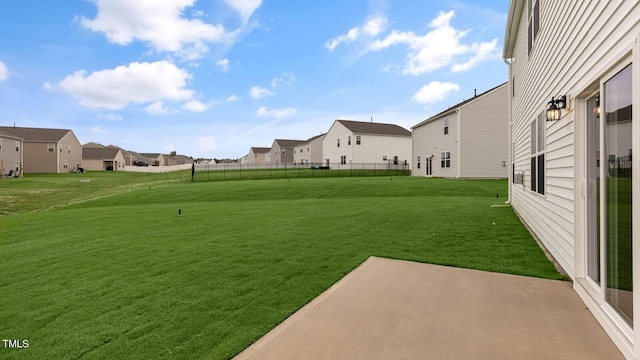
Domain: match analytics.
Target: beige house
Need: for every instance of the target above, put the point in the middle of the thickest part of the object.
(257, 155)
(309, 152)
(47, 150)
(282, 151)
(574, 70)
(468, 140)
(366, 142)
(106, 158)
(11, 158)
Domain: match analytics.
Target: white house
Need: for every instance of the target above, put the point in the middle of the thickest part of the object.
(309, 152)
(573, 180)
(257, 155)
(468, 140)
(366, 142)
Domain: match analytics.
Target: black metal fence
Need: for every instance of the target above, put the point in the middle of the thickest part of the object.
(235, 171)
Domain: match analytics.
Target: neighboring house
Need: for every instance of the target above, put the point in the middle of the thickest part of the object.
(309, 152)
(93, 145)
(282, 151)
(106, 158)
(156, 158)
(202, 161)
(468, 140)
(11, 155)
(177, 160)
(257, 155)
(572, 180)
(47, 150)
(366, 142)
(128, 157)
(139, 159)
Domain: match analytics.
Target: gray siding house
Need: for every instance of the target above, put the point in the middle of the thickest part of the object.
(468, 140)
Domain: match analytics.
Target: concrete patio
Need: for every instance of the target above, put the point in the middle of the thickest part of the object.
(390, 309)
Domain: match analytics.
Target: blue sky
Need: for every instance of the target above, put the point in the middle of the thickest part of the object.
(211, 78)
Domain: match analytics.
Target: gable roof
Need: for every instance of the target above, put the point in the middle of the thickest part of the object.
(260, 150)
(457, 106)
(7, 135)
(284, 143)
(92, 145)
(362, 127)
(36, 134)
(99, 153)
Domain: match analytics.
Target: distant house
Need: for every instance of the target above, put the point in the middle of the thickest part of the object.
(128, 157)
(156, 158)
(257, 155)
(282, 151)
(574, 71)
(309, 152)
(468, 140)
(47, 150)
(350, 141)
(106, 158)
(11, 155)
(203, 161)
(171, 160)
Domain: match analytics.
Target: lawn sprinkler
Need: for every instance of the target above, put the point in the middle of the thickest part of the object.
(179, 212)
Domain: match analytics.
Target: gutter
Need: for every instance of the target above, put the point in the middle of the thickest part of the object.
(509, 129)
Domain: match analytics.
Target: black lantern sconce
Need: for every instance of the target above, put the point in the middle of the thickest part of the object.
(555, 106)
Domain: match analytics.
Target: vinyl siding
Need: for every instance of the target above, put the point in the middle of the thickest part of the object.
(430, 140)
(577, 43)
(483, 136)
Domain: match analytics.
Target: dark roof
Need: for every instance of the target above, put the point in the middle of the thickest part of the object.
(140, 158)
(150, 155)
(284, 143)
(363, 127)
(456, 106)
(6, 134)
(99, 153)
(92, 145)
(35, 134)
(315, 137)
(260, 150)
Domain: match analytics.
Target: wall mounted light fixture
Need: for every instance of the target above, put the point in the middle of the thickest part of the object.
(555, 106)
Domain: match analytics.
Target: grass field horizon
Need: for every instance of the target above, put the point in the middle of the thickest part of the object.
(123, 276)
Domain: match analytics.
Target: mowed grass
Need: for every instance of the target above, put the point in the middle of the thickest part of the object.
(124, 277)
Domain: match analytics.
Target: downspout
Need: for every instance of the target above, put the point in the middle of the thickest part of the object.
(509, 128)
(458, 131)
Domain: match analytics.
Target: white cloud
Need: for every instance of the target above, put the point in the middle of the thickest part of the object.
(258, 92)
(437, 48)
(157, 108)
(223, 65)
(47, 86)
(195, 106)
(233, 98)
(371, 28)
(4, 72)
(434, 92)
(244, 7)
(275, 113)
(158, 23)
(136, 83)
(98, 130)
(286, 79)
(206, 143)
(482, 50)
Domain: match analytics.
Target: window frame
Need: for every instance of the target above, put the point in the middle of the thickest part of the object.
(51, 147)
(446, 127)
(538, 150)
(17, 146)
(358, 140)
(445, 159)
(343, 160)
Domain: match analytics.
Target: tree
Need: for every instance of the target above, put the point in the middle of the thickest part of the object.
(173, 153)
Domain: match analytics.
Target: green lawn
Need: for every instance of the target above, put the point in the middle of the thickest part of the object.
(123, 276)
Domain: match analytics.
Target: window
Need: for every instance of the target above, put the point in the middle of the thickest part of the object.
(445, 159)
(395, 160)
(343, 159)
(17, 165)
(69, 150)
(349, 140)
(17, 145)
(534, 22)
(60, 147)
(357, 139)
(65, 164)
(51, 147)
(0, 144)
(418, 161)
(338, 142)
(537, 154)
(446, 126)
